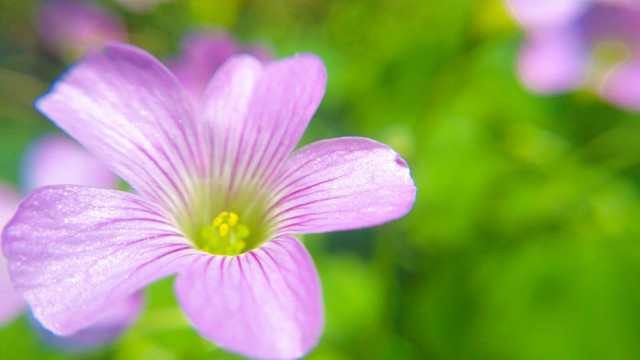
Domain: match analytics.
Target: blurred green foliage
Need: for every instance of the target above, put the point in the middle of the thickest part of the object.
(523, 242)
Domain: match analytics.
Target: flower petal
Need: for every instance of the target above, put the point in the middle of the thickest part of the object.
(11, 303)
(341, 184)
(58, 160)
(73, 251)
(553, 61)
(129, 110)
(110, 324)
(622, 85)
(257, 113)
(266, 303)
(202, 54)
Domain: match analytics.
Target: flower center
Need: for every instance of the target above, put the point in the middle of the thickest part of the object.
(226, 235)
(225, 220)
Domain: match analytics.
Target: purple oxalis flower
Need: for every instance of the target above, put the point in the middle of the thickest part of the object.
(581, 43)
(220, 195)
(59, 160)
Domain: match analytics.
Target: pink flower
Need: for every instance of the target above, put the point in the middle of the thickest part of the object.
(581, 43)
(202, 54)
(220, 195)
(58, 160)
(69, 27)
(11, 303)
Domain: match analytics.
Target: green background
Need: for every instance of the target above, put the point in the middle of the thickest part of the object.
(523, 241)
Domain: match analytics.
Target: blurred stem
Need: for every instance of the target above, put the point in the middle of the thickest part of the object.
(616, 148)
(159, 320)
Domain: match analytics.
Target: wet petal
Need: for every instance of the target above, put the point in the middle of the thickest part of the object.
(341, 184)
(58, 160)
(129, 110)
(74, 251)
(266, 303)
(258, 112)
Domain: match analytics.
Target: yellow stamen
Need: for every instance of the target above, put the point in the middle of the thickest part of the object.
(233, 219)
(225, 235)
(223, 229)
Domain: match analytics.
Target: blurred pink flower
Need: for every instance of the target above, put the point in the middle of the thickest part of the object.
(11, 303)
(581, 43)
(547, 13)
(220, 195)
(69, 27)
(56, 159)
(59, 160)
(202, 54)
